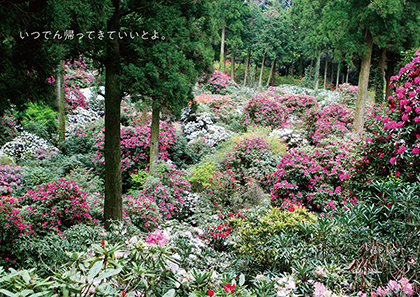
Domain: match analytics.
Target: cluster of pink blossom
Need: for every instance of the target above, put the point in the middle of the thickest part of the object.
(348, 94)
(56, 205)
(159, 199)
(336, 119)
(157, 237)
(266, 110)
(403, 287)
(135, 145)
(9, 178)
(251, 160)
(316, 177)
(217, 83)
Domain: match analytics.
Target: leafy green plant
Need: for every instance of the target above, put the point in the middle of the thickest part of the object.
(36, 113)
(138, 179)
(201, 175)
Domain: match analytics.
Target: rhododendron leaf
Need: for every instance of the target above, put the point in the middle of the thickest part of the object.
(94, 270)
(7, 293)
(108, 273)
(241, 279)
(170, 293)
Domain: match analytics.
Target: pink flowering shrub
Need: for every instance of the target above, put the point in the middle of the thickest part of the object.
(224, 108)
(336, 119)
(162, 197)
(265, 110)
(348, 94)
(9, 179)
(56, 207)
(135, 147)
(218, 83)
(402, 288)
(298, 104)
(157, 237)
(315, 177)
(395, 148)
(251, 160)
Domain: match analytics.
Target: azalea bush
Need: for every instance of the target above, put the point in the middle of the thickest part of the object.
(218, 83)
(8, 128)
(316, 177)
(251, 160)
(348, 94)
(265, 110)
(334, 119)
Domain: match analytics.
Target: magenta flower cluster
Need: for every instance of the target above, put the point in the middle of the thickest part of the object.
(160, 198)
(217, 83)
(296, 104)
(266, 110)
(251, 160)
(9, 179)
(336, 119)
(315, 177)
(348, 94)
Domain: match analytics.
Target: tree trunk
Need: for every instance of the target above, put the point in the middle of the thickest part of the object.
(248, 58)
(332, 73)
(363, 87)
(318, 64)
(325, 71)
(347, 75)
(338, 76)
(271, 72)
(61, 108)
(154, 140)
(389, 73)
(261, 72)
(232, 65)
(144, 114)
(379, 88)
(222, 47)
(113, 189)
(301, 66)
(273, 80)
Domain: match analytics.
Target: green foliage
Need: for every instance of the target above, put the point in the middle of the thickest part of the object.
(138, 179)
(264, 238)
(39, 114)
(277, 146)
(6, 160)
(201, 175)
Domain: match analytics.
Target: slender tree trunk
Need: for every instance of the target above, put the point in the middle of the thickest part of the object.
(332, 73)
(222, 47)
(144, 114)
(318, 64)
(325, 71)
(312, 63)
(389, 73)
(363, 87)
(347, 75)
(154, 140)
(232, 65)
(261, 72)
(338, 76)
(61, 108)
(301, 66)
(292, 70)
(113, 189)
(271, 72)
(248, 57)
(379, 88)
(273, 80)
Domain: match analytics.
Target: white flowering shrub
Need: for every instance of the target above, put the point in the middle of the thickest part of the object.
(26, 146)
(79, 118)
(202, 125)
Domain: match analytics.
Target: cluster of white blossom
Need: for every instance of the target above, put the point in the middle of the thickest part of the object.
(79, 118)
(28, 145)
(201, 125)
(324, 97)
(292, 137)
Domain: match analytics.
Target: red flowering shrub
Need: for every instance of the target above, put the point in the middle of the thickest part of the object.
(315, 177)
(8, 129)
(135, 146)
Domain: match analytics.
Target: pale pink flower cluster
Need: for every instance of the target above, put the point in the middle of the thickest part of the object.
(157, 237)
